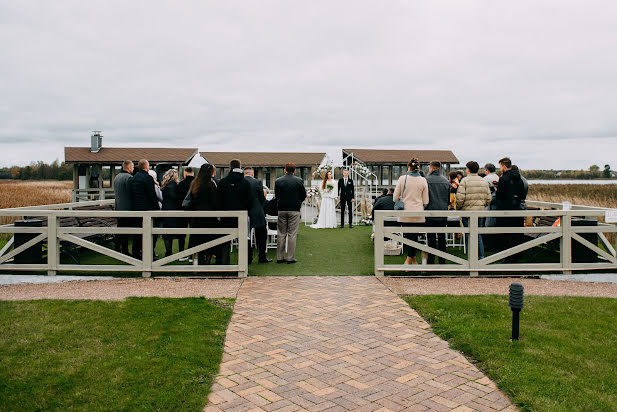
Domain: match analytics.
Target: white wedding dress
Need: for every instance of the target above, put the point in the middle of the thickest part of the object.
(327, 211)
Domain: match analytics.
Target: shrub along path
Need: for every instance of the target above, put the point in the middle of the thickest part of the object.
(340, 343)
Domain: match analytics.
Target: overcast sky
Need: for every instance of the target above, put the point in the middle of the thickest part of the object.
(535, 80)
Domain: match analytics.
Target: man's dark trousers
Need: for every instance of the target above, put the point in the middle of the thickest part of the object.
(436, 240)
(261, 236)
(349, 206)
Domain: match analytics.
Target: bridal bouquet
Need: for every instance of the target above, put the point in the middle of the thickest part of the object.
(329, 187)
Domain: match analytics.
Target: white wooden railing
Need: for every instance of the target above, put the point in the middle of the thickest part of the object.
(92, 194)
(565, 233)
(54, 233)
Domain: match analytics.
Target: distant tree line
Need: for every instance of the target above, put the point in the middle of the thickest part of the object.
(61, 171)
(38, 171)
(594, 172)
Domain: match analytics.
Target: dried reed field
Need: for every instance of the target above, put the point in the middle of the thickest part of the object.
(577, 194)
(18, 193)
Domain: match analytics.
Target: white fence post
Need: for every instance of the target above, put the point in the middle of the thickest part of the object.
(566, 243)
(379, 243)
(472, 247)
(53, 251)
(146, 246)
(243, 244)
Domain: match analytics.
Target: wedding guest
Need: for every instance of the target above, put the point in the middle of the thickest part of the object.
(203, 197)
(491, 240)
(183, 190)
(184, 185)
(290, 193)
(473, 194)
(525, 187)
(257, 217)
(143, 198)
(384, 202)
(384, 192)
(346, 197)
(454, 182)
(491, 178)
(156, 222)
(439, 199)
(413, 190)
(122, 196)
(234, 193)
(170, 202)
(510, 195)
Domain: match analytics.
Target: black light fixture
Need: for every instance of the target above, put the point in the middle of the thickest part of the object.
(516, 304)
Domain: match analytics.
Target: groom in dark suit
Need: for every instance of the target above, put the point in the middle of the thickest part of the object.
(346, 195)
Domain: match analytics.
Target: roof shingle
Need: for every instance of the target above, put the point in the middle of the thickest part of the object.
(116, 155)
(263, 159)
(372, 156)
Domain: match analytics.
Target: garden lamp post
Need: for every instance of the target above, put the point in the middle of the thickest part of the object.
(516, 304)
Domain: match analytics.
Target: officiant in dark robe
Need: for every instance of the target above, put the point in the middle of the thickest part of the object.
(347, 195)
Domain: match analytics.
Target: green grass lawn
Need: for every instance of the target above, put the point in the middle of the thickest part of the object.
(135, 354)
(566, 359)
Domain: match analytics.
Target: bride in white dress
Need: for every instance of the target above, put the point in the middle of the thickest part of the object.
(327, 211)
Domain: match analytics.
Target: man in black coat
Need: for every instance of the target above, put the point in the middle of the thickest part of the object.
(510, 195)
(384, 192)
(257, 216)
(438, 199)
(234, 193)
(384, 202)
(143, 197)
(347, 196)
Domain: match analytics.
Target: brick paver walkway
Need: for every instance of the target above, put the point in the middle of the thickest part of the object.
(336, 344)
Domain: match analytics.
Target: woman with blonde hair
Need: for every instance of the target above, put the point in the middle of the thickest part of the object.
(169, 188)
(412, 189)
(327, 210)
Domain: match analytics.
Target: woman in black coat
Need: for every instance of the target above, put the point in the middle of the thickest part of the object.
(170, 202)
(204, 197)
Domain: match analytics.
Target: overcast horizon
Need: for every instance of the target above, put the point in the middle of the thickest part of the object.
(533, 80)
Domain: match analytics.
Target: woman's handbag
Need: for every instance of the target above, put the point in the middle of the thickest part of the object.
(400, 204)
(186, 203)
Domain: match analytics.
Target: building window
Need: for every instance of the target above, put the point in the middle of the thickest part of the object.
(385, 177)
(376, 171)
(397, 171)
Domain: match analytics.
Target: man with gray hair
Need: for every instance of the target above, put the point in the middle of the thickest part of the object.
(289, 192)
(122, 196)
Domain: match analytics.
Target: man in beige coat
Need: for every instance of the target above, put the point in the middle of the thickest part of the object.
(473, 194)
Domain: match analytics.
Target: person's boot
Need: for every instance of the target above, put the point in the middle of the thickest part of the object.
(168, 248)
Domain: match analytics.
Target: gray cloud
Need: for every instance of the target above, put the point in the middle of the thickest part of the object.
(535, 80)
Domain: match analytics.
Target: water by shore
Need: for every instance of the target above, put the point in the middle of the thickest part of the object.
(571, 182)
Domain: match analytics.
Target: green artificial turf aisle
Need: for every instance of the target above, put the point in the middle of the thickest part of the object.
(139, 353)
(566, 359)
(319, 252)
(324, 252)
